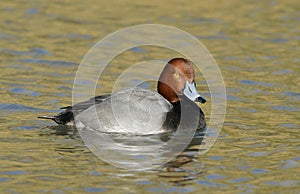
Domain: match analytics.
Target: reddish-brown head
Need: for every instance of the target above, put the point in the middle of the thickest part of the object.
(176, 78)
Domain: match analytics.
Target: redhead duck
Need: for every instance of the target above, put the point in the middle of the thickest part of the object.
(143, 111)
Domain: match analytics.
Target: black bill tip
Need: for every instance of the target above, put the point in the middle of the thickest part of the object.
(200, 99)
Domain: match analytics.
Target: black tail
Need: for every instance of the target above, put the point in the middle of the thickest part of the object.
(63, 118)
(46, 117)
(66, 117)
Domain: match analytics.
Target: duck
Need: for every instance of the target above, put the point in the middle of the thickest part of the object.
(143, 111)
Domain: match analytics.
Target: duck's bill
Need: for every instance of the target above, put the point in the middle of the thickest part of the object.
(191, 92)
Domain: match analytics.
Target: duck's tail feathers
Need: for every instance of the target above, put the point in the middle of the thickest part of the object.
(63, 118)
(47, 117)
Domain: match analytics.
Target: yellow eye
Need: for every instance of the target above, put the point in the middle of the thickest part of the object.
(176, 75)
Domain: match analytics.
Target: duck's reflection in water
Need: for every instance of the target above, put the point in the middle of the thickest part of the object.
(178, 170)
(147, 152)
(59, 130)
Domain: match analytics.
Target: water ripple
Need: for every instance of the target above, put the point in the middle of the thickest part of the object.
(24, 91)
(33, 52)
(16, 107)
(251, 82)
(48, 62)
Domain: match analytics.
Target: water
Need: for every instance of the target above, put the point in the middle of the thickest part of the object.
(256, 45)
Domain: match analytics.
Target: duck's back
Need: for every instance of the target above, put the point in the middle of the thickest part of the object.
(137, 110)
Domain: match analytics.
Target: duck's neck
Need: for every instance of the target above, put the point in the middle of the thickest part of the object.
(167, 92)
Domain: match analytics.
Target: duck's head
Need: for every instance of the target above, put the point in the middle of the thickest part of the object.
(177, 79)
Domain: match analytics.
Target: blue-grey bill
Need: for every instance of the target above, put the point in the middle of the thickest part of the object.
(191, 92)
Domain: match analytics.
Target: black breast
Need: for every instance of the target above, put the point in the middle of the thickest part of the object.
(185, 115)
